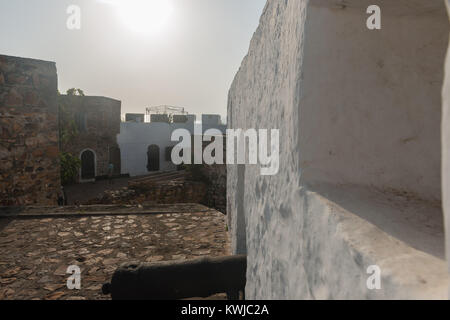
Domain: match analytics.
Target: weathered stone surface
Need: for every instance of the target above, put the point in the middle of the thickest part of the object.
(34, 257)
(28, 132)
(216, 192)
(13, 99)
(160, 192)
(178, 187)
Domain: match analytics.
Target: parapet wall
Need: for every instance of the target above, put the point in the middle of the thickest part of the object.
(359, 184)
(216, 191)
(29, 153)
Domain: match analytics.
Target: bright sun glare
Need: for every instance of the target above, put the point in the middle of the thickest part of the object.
(144, 16)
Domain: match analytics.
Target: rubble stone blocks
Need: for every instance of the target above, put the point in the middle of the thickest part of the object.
(29, 152)
(216, 192)
(177, 187)
(216, 178)
(164, 192)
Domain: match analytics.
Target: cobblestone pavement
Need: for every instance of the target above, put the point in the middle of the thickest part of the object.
(36, 252)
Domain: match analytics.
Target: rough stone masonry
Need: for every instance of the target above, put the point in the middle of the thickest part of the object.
(97, 121)
(29, 153)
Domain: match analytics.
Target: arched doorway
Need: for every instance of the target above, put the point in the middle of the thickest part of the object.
(87, 165)
(153, 158)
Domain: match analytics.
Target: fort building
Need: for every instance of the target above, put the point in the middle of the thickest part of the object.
(94, 141)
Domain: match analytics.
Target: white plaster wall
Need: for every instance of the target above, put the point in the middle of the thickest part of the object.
(309, 72)
(263, 209)
(371, 102)
(134, 140)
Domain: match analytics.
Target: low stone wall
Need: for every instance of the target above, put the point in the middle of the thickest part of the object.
(172, 192)
(168, 192)
(215, 176)
(29, 153)
(216, 192)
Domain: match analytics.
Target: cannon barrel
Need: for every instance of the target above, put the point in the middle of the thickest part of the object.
(199, 278)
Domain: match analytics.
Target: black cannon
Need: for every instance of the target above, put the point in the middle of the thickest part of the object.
(199, 278)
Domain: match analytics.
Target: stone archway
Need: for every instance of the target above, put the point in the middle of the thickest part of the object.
(88, 165)
(153, 162)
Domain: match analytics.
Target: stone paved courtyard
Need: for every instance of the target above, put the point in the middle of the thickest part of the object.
(36, 248)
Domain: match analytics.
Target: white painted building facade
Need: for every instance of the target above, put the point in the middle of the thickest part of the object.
(136, 139)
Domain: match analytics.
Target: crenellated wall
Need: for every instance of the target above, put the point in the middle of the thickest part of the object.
(359, 113)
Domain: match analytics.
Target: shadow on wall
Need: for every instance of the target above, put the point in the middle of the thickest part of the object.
(404, 216)
(371, 103)
(377, 117)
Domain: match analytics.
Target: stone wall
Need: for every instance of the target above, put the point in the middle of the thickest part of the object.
(29, 153)
(216, 192)
(97, 120)
(172, 192)
(215, 177)
(166, 192)
(359, 114)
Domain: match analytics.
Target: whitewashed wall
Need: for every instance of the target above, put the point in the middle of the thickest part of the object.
(359, 114)
(134, 140)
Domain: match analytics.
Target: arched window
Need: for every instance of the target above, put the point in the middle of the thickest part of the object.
(153, 158)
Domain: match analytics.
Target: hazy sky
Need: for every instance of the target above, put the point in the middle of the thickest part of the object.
(188, 61)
